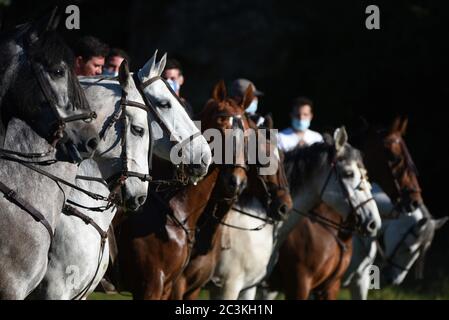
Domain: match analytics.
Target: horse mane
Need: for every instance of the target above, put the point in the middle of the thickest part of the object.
(301, 162)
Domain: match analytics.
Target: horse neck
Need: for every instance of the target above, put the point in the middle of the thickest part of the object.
(20, 137)
(190, 202)
(209, 226)
(325, 211)
(304, 199)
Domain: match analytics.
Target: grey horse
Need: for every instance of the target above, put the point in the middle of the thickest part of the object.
(42, 105)
(79, 256)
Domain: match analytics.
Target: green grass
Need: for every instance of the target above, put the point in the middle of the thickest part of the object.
(392, 293)
(427, 289)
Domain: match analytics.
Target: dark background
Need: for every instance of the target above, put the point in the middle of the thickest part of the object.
(313, 48)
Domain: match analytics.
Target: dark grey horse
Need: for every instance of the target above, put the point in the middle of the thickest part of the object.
(42, 106)
(38, 85)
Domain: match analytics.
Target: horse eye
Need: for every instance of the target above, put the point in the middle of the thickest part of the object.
(164, 104)
(58, 72)
(348, 174)
(138, 131)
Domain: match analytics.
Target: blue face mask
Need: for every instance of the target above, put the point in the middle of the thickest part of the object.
(252, 108)
(109, 73)
(174, 85)
(300, 125)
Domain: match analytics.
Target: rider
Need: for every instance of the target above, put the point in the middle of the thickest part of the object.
(174, 75)
(237, 92)
(299, 133)
(89, 56)
(113, 62)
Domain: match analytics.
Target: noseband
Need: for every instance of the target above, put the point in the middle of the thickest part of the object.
(182, 176)
(354, 208)
(328, 222)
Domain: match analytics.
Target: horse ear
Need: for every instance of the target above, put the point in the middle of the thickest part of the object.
(403, 129)
(340, 138)
(161, 64)
(53, 22)
(440, 222)
(248, 97)
(147, 71)
(396, 124)
(219, 93)
(123, 75)
(49, 22)
(269, 123)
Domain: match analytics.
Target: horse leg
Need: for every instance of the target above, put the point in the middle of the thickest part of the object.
(192, 295)
(300, 288)
(332, 291)
(268, 294)
(149, 288)
(248, 294)
(178, 288)
(359, 286)
(231, 288)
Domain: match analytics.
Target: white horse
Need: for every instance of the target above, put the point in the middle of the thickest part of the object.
(80, 256)
(405, 240)
(332, 173)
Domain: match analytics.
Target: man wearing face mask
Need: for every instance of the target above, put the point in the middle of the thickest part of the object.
(175, 78)
(237, 91)
(299, 133)
(113, 62)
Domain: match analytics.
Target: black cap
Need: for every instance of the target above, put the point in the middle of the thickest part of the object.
(239, 86)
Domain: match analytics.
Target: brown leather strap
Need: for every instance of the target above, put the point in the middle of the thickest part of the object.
(71, 211)
(12, 196)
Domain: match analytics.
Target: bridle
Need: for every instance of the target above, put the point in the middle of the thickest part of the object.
(344, 226)
(120, 115)
(404, 201)
(151, 105)
(60, 122)
(411, 231)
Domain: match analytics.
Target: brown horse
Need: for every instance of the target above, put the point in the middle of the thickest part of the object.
(389, 163)
(313, 258)
(155, 245)
(273, 192)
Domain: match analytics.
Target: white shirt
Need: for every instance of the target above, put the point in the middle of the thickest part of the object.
(288, 139)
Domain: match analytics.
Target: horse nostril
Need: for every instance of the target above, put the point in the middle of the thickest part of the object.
(234, 181)
(371, 226)
(92, 144)
(141, 200)
(283, 209)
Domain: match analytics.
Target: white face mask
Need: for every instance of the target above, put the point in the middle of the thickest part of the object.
(252, 108)
(174, 85)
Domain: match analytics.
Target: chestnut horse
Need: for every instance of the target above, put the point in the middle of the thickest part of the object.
(314, 257)
(269, 186)
(155, 245)
(407, 238)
